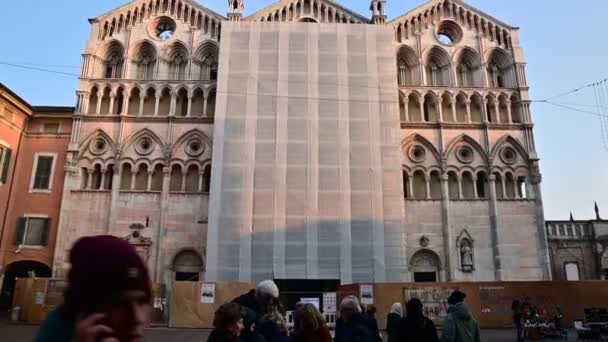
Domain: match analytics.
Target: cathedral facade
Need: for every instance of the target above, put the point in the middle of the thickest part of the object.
(450, 186)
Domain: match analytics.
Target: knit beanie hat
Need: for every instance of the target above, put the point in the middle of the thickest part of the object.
(456, 297)
(102, 267)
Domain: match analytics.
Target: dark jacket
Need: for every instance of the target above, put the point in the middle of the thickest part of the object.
(416, 329)
(56, 328)
(247, 300)
(272, 332)
(460, 326)
(373, 324)
(392, 326)
(357, 330)
(320, 335)
(221, 336)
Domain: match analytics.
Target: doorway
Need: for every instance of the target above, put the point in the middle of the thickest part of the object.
(188, 266)
(20, 269)
(425, 266)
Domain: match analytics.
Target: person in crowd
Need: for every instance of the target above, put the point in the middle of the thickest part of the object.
(249, 333)
(517, 319)
(415, 326)
(107, 296)
(392, 322)
(370, 312)
(227, 323)
(459, 326)
(259, 299)
(272, 323)
(310, 326)
(353, 326)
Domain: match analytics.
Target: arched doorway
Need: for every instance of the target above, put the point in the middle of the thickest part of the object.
(188, 266)
(425, 266)
(20, 269)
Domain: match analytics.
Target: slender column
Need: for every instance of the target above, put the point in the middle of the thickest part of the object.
(205, 106)
(189, 114)
(422, 110)
(468, 103)
(114, 197)
(99, 100)
(504, 187)
(497, 111)
(406, 103)
(411, 187)
(141, 106)
(200, 180)
(460, 187)
(172, 106)
(475, 188)
(494, 228)
(427, 179)
(440, 109)
(164, 196)
(453, 103)
(184, 174)
(447, 239)
(90, 179)
(509, 112)
(133, 175)
(149, 185)
(111, 109)
(125, 104)
(515, 188)
(103, 179)
(156, 105)
(484, 110)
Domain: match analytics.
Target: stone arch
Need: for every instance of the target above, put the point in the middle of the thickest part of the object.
(464, 138)
(415, 137)
(468, 64)
(207, 55)
(98, 132)
(193, 133)
(187, 265)
(425, 265)
(407, 66)
(437, 64)
(508, 139)
(145, 132)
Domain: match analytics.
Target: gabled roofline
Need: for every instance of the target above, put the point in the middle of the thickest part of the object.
(328, 2)
(130, 3)
(461, 3)
(16, 100)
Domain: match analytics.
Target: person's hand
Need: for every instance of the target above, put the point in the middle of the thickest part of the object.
(90, 329)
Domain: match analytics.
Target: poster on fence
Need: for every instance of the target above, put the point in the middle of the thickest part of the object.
(207, 293)
(329, 302)
(367, 294)
(434, 301)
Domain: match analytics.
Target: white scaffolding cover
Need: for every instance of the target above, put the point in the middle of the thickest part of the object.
(306, 179)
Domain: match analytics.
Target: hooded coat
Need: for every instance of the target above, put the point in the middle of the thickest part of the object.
(460, 326)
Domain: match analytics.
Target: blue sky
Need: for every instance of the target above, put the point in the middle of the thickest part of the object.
(562, 41)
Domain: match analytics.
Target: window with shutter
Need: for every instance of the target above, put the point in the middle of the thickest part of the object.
(43, 173)
(5, 158)
(32, 231)
(20, 232)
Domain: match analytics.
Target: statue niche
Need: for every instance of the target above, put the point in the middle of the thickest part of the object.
(466, 252)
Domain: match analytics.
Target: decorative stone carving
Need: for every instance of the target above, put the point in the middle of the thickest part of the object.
(424, 241)
(465, 247)
(140, 243)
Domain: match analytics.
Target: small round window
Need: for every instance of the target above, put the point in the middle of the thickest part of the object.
(163, 28)
(449, 32)
(144, 146)
(508, 155)
(417, 154)
(465, 154)
(98, 146)
(194, 147)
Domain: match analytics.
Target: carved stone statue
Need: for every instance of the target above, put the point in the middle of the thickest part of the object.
(466, 256)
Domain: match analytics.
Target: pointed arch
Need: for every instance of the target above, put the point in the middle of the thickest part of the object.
(464, 138)
(98, 132)
(207, 55)
(437, 66)
(508, 139)
(145, 132)
(193, 133)
(415, 137)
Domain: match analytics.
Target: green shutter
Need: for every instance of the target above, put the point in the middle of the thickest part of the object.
(44, 241)
(20, 232)
(5, 165)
